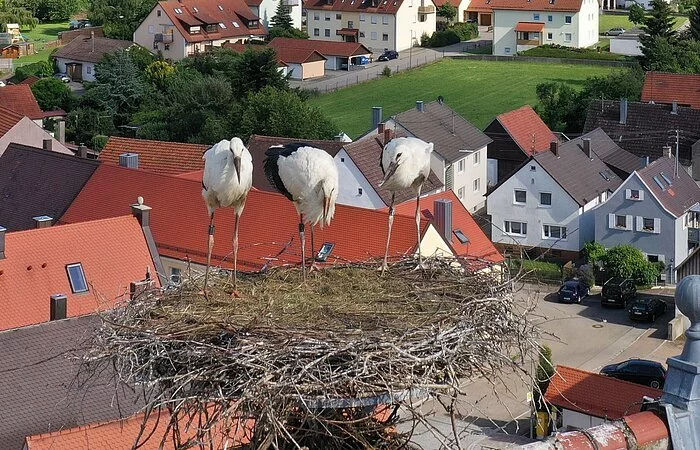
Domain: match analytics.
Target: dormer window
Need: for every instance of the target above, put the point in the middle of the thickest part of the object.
(253, 24)
(211, 29)
(76, 277)
(195, 29)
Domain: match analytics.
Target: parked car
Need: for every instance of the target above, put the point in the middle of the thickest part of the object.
(618, 291)
(471, 21)
(63, 77)
(639, 371)
(647, 309)
(615, 31)
(387, 55)
(573, 291)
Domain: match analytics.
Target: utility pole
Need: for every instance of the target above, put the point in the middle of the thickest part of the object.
(678, 139)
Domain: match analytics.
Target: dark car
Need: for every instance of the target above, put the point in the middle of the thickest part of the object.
(618, 291)
(639, 371)
(647, 309)
(387, 55)
(572, 291)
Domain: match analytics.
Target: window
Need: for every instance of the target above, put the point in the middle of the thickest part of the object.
(533, 168)
(460, 193)
(653, 258)
(506, 50)
(477, 184)
(328, 16)
(545, 199)
(460, 166)
(477, 158)
(567, 19)
(373, 36)
(567, 37)
(422, 17)
(317, 16)
(461, 236)
(178, 11)
(327, 32)
(158, 13)
(536, 16)
(385, 37)
(155, 46)
(634, 194)
(362, 17)
(620, 221)
(221, 8)
(648, 224)
(76, 276)
(373, 18)
(549, 36)
(194, 8)
(235, 24)
(385, 20)
(222, 25)
(151, 29)
(362, 34)
(520, 196)
(317, 32)
(338, 17)
(167, 46)
(359, 191)
(88, 69)
(553, 232)
(175, 275)
(550, 18)
(519, 228)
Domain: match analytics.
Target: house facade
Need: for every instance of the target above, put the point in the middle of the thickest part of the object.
(656, 210)
(177, 29)
(77, 59)
(266, 10)
(519, 25)
(378, 24)
(338, 55)
(21, 129)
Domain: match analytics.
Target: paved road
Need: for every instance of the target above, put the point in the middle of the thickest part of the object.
(582, 335)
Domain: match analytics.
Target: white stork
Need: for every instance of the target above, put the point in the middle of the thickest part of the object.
(308, 177)
(405, 163)
(227, 179)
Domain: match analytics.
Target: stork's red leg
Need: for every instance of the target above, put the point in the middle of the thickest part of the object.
(235, 252)
(420, 258)
(388, 236)
(211, 247)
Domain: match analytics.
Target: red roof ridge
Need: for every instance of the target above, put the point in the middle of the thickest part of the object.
(522, 123)
(20, 98)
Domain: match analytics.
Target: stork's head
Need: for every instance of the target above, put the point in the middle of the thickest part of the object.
(237, 148)
(328, 191)
(399, 152)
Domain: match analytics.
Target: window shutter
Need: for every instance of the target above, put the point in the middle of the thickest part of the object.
(611, 220)
(628, 194)
(641, 195)
(628, 222)
(640, 223)
(657, 225)
(662, 258)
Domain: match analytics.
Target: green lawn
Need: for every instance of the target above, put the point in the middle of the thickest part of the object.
(478, 90)
(40, 36)
(608, 21)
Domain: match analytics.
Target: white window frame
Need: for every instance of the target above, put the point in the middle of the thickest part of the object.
(477, 184)
(327, 32)
(536, 16)
(385, 19)
(477, 158)
(544, 205)
(568, 37)
(655, 225)
(568, 20)
(373, 19)
(550, 36)
(508, 226)
(327, 17)
(81, 274)
(547, 232)
(460, 165)
(317, 31)
(629, 195)
(612, 222)
(460, 193)
(317, 16)
(385, 37)
(362, 17)
(373, 36)
(515, 197)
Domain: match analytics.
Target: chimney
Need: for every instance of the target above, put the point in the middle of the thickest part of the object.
(47, 144)
(696, 160)
(443, 218)
(62, 131)
(674, 107)
(623, 111)
(644, 161)
(92, 40)
(376, 116)
(59, 307)
(387, 135)
(142, 212)
(554, 148)
(82, 151)
(42, 221)
(587, 148)
(380, 128)
(139, 287)
(419, 105)
(130, 160)
(3, 231)
(667, 151)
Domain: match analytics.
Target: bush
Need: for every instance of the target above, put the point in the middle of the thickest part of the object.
(540, 270)
(560, 51)
(52, 93)
(386, 72)
(39, 69)
(466, 31)
(444, 38)
(594, 252)
(626, 261)
(424, 40)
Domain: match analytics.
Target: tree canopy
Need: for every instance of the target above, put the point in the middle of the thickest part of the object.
(52, 93)
(120, 17)
(448, 11)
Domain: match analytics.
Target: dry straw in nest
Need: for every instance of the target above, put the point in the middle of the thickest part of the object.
(309, 363)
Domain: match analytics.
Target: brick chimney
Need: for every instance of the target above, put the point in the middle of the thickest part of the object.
(443, 218)
(42, 221)
(141, 212)
(3, 232)
(47, 144)
(587, 148)
(388, 135)
(59, 307)
(554, 148)
(381, 127)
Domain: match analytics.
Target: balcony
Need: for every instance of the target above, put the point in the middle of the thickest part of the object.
(166, 38)
(290, 2)
(694, 236)
(430, 9)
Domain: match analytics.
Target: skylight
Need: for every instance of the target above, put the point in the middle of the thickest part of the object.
(666, 179)
(661, 185)
(325, 251)
(221, 8)
(461, 236)
(605, 176)
(178, 11)
(76, 276)
(194, 8)
(235, 24)
(222, 25)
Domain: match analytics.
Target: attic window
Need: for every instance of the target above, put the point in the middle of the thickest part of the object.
(178, 11)
(222, 25)
(604, 175)
(461, 236)
(666, 179)
(76, 276)
(325, 251)
(235, 24)
(221, 8)
(659, 183)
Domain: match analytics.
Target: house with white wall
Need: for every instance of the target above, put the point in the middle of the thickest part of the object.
(266, 10)
(22, 130)
(178, 29)
(519, 25)
(461, 6)
(378, 24)
(546, 206)
(459, 148)
(657, 210)
(77, 59)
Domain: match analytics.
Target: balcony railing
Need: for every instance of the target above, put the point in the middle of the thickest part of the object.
(166, 38)
(430, 9)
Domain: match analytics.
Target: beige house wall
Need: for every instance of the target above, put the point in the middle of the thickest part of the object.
(409, 27)
(26, 132)
(314, 69)
(152, 25)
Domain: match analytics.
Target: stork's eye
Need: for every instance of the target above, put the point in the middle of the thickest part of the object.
(398, 155)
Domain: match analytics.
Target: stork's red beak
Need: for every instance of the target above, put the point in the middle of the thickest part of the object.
(237, 167)
(326, 207)
(389, 172)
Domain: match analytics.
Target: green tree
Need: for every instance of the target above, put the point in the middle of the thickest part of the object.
(21, 16)
(282, 18)
(254, 70)
(543, 374)
(448, 11)
(694, 19)
(158, 73)
(140, 56)
(637, 14)
(660, 20)
(52, 93)
(276, 112)
(84, 123)
(558, 105)
(594, 252)
(120, 17)
(626, 261)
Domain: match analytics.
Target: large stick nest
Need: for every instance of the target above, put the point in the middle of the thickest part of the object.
(309, 362)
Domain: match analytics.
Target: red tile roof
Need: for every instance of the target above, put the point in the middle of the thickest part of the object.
(662, 87)
(113, 253)
(8, 119)
(213, 12)
(268, 228)
(479, 245)
(527, 129)
(326, 48)
(20, 99)
(382, 6)
(529, 26)
(123, 434)
(30, 80)
(168, 158)
(525, 5)
(596, 395)
(291, 55)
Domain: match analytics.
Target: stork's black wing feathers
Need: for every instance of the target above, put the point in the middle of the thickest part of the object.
(272, 169)
(381, 163)
(204, 186)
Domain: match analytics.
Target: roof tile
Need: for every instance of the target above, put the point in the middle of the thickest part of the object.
(20, 99)
(527, 129)
(683, 88)
(91, 49)
(364, 6)
(678, 197)
(8, 119)
(530, 5)
(326, 48)
(168, 158)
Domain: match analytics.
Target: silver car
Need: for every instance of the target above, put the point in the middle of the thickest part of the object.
(615, 31)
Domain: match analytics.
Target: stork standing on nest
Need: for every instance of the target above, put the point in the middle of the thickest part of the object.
(308, 177)
(405, 163)
(227, 179)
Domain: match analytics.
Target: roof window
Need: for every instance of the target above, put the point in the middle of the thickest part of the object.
(605, 176)
(178, 11)
(461, 236)
(235, 24)
(659, 183)
(76, 276)
(666, 179)
(325, 251)
(194, 8)
(221, 8)
(222, 25)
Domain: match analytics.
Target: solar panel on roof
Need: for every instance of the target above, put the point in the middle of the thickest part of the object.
(656, 179)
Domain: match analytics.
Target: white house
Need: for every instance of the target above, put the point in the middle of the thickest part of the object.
(266, 10)
(521, 25)
(22, 130)
(178, 29)
(77, 59)
(378, 24)
(547, 203)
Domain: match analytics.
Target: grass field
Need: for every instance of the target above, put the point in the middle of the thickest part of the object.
(478, 90)
(608, 21)
(40, 36)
